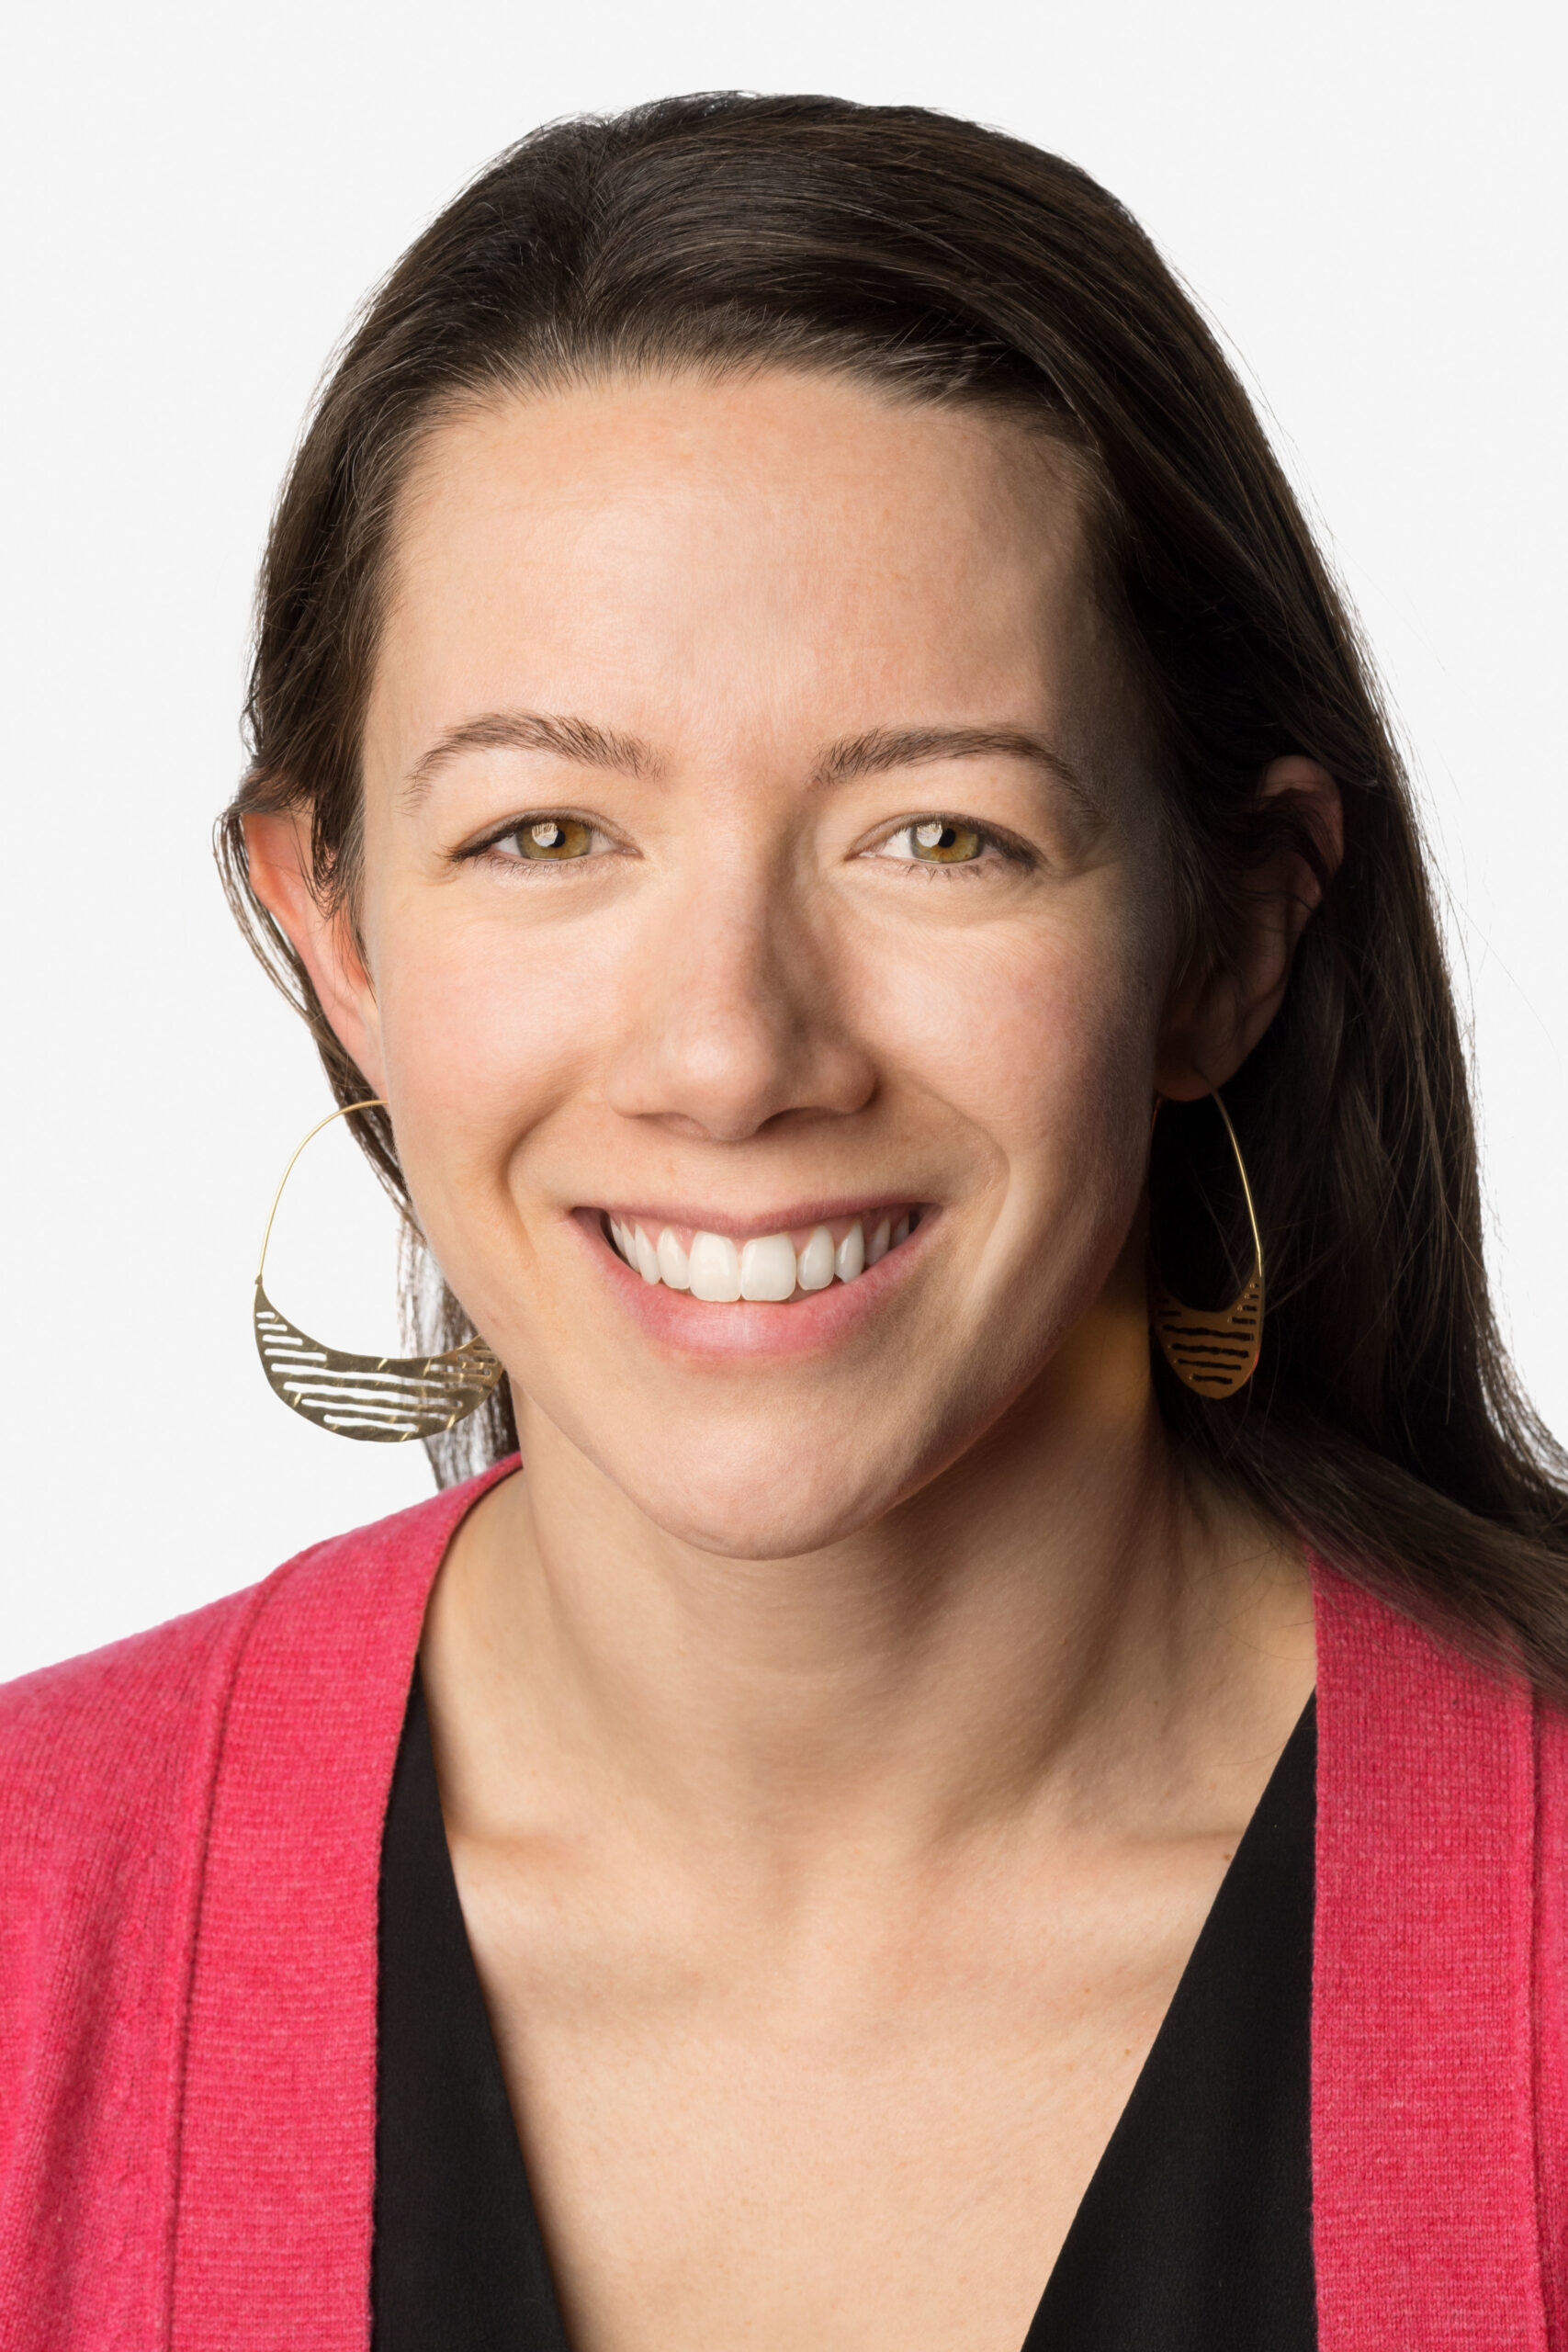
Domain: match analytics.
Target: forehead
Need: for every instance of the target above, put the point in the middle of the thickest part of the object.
(680, 542)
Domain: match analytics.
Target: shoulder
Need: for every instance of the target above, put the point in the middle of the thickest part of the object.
(1401, 1681)
(101, 1749)
(115, 1718)
(88, 1746)
(120, 1770)
(1428, 1759)
(99, 1744)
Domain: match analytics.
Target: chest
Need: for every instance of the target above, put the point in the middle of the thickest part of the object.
(828, 2139)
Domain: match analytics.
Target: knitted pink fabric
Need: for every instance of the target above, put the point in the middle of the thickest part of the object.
(1427, 2076)
(189, 1841)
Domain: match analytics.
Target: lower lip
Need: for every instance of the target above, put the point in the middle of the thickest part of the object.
(702, 1332)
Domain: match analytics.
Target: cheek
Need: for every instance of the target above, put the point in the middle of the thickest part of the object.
(489, 1027)
(1039, 1036)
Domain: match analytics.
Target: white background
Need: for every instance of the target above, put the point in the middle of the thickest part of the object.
(1367, 197)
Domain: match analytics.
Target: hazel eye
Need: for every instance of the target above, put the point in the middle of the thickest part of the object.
(555, 838)
(946, 844)
(937, 840)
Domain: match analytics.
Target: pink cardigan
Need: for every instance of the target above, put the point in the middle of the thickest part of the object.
(189, 1837)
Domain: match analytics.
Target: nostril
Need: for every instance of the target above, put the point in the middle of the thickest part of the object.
(719, 1053)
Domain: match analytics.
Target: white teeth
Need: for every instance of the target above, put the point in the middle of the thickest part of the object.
(767, 1268)
(647, 1256)
(815, 1269)
(849, 1258)
(673, 1264)
(714, 1268)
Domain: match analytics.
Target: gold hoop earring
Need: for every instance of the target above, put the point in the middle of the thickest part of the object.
(383, 1399)
(1213, 1353)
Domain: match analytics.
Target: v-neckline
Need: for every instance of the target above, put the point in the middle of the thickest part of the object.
(1193, 2234)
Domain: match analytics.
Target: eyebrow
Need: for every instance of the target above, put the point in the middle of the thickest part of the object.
(902, 747)
(532, 730)
(873, 753)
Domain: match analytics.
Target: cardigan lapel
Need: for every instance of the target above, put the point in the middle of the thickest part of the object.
(1425, 2226)
(277, 2151)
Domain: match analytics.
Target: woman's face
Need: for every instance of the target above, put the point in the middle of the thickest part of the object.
(760, 863)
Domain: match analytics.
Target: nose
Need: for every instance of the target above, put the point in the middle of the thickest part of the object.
(738, 1012)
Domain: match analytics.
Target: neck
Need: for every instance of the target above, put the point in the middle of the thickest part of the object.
(1058, 1620)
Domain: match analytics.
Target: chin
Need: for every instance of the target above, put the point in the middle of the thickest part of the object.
(774, 1505)
(740, 1527)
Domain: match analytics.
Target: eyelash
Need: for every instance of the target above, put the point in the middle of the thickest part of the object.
(1005, 846)
(487, 846)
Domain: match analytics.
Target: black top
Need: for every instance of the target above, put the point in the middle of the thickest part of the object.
(1194, 2234)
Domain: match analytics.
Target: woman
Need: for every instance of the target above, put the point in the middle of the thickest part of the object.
(793, 712)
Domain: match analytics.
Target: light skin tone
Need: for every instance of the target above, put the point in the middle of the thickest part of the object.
(844, 1723)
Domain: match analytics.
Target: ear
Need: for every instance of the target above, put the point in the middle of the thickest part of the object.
(278, 852)
(1214, 1018)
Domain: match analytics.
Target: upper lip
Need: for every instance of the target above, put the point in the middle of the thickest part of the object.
(746, 1227)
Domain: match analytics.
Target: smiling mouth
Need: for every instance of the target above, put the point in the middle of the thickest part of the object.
(777, 1268)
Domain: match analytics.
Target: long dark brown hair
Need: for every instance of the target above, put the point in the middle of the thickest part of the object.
(948, 263)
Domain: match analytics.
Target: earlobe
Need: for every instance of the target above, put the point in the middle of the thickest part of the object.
(277, 855)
